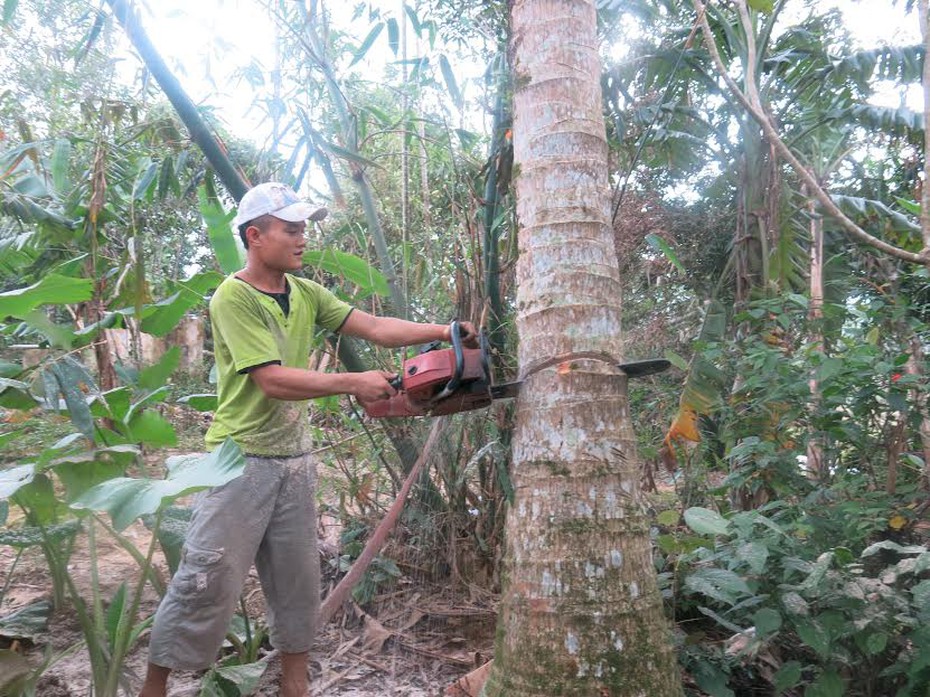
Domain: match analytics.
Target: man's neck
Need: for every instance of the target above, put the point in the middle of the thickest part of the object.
(268, 280)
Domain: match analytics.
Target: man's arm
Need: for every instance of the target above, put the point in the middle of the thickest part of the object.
(280, 382)
(391, 332)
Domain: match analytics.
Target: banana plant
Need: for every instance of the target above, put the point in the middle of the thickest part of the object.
(817, 97)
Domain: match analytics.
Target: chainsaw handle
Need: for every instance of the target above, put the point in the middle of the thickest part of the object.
(397, 382)
(455, 335)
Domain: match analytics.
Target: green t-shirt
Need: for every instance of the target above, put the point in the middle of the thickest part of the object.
(250, 329)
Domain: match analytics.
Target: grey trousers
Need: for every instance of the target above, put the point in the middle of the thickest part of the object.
(268, 516)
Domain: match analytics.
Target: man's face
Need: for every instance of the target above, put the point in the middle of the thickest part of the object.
(279, 244)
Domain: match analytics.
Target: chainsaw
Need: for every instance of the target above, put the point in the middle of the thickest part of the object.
(441, 381)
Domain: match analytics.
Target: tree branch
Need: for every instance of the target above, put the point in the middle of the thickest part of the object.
(753, 104)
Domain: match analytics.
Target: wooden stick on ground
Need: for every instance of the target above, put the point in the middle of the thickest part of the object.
(470, 685)
(338, 595)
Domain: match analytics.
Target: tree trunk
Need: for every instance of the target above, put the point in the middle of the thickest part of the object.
(404, 149)
(815, 442)
(581, 614)
(923, 13)
(491, 243)
(915, 361)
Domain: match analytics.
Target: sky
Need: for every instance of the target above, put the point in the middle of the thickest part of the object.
(206, 42)
(876, 22)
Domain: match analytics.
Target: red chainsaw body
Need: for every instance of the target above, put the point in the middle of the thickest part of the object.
(424, 378)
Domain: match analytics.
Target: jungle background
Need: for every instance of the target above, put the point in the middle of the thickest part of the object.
(784, 456)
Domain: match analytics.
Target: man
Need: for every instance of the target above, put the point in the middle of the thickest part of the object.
(263, 321)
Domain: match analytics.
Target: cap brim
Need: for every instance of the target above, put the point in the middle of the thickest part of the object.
(294, 213)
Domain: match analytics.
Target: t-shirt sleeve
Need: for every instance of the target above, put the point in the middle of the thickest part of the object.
(331, 312)
(238, 323)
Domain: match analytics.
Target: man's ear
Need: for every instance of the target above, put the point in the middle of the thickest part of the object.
(253, 234)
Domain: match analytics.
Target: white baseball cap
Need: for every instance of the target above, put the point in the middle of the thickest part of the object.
(279, 200)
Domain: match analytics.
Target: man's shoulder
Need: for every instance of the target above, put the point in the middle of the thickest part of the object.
(311, 291)
(231, 289)
(304, 284)
(229, 285)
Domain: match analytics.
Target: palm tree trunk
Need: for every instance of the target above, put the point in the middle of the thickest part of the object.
(581, 614)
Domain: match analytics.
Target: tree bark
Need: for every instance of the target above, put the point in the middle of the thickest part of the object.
(815, 441)
(581, 614)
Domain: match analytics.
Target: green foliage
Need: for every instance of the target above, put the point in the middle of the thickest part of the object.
(382, 571)
(185, 296)
(73, 381)
(247, 637)
(771, 586)
(900, 63)
(127, 499)
(351, 268)
(228, 253)
(662, 246)
(819, 586)
(200, 402)
(82, 471)
(27, 622)
(171, 532)
(52, 289)
(232, 681)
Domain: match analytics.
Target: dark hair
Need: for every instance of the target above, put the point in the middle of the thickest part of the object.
(260, 222)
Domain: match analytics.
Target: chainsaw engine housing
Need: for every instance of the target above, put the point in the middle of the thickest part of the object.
(437, 382)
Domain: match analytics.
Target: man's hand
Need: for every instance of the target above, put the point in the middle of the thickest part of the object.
(468, 333)
(372, 385)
